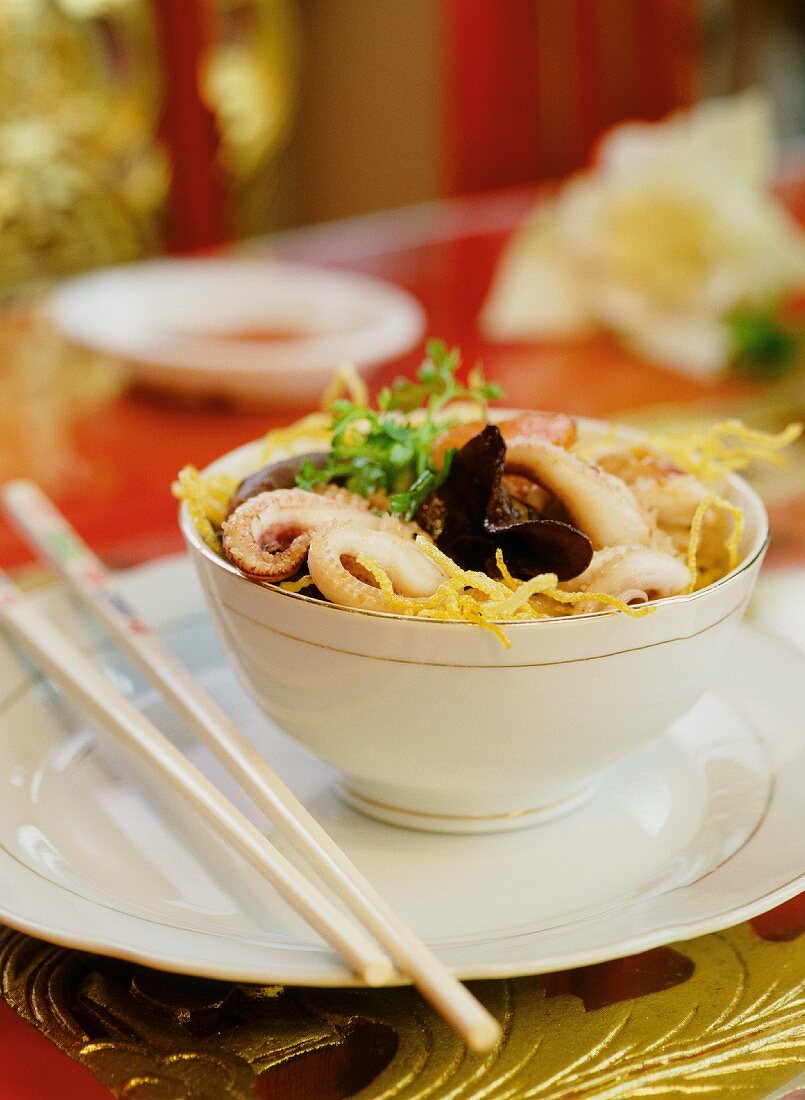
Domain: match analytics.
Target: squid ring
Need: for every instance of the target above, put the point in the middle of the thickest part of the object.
(267, 537)
(600, 505)
(411, 573)
(634, 574)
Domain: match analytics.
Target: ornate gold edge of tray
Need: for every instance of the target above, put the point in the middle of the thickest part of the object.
(722, 1015)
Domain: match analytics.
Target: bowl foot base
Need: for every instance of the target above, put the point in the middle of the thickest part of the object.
(430, 822)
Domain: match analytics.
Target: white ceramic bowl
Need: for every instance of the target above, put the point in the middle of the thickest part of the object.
(434, 725)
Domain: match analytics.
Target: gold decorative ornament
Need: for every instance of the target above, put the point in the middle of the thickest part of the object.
(724, 1016)
(249, 80)
(82, 177)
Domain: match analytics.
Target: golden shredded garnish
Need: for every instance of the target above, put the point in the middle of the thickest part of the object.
(700, 578)
(447, 603)
(346, 382)
(207, 498)
(503, 569)
(296, 586)
(481, 582)
(561, 596)
(725, 448)
(383, 582)
(521, 596)
(469, 596)
(472, 613)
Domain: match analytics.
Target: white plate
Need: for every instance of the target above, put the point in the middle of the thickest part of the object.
(173, 321)
(699, 830)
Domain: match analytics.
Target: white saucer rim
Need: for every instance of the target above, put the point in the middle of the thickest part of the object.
(335, 977)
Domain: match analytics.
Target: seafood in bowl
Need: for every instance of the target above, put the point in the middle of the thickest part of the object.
(470, 614)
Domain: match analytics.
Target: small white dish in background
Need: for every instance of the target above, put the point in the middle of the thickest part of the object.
(695, 831)
(248, 329)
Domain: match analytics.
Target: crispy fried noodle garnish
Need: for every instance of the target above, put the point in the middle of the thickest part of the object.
(385, 455)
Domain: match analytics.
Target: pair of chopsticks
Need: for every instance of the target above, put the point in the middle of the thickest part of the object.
(51, 536)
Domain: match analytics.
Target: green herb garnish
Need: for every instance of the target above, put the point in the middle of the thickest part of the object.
(763, 347)
(386, 449)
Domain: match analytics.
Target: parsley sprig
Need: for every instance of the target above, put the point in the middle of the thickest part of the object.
(386, 449)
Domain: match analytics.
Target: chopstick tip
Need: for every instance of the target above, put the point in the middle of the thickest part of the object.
(13, 486)
(379, 971)
(18, 494)
(484, 1035)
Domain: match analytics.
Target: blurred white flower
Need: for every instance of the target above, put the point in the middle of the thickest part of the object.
(671, 230)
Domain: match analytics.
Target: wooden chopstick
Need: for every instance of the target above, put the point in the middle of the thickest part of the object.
(68, 665)
(52, 537)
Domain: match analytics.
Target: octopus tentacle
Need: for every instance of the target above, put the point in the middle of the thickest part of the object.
(267, 537)
(335, 547)
(599, 504)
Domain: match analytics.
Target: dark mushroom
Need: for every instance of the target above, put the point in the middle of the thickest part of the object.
(543, 546)
(472, 515)
(278, 475)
